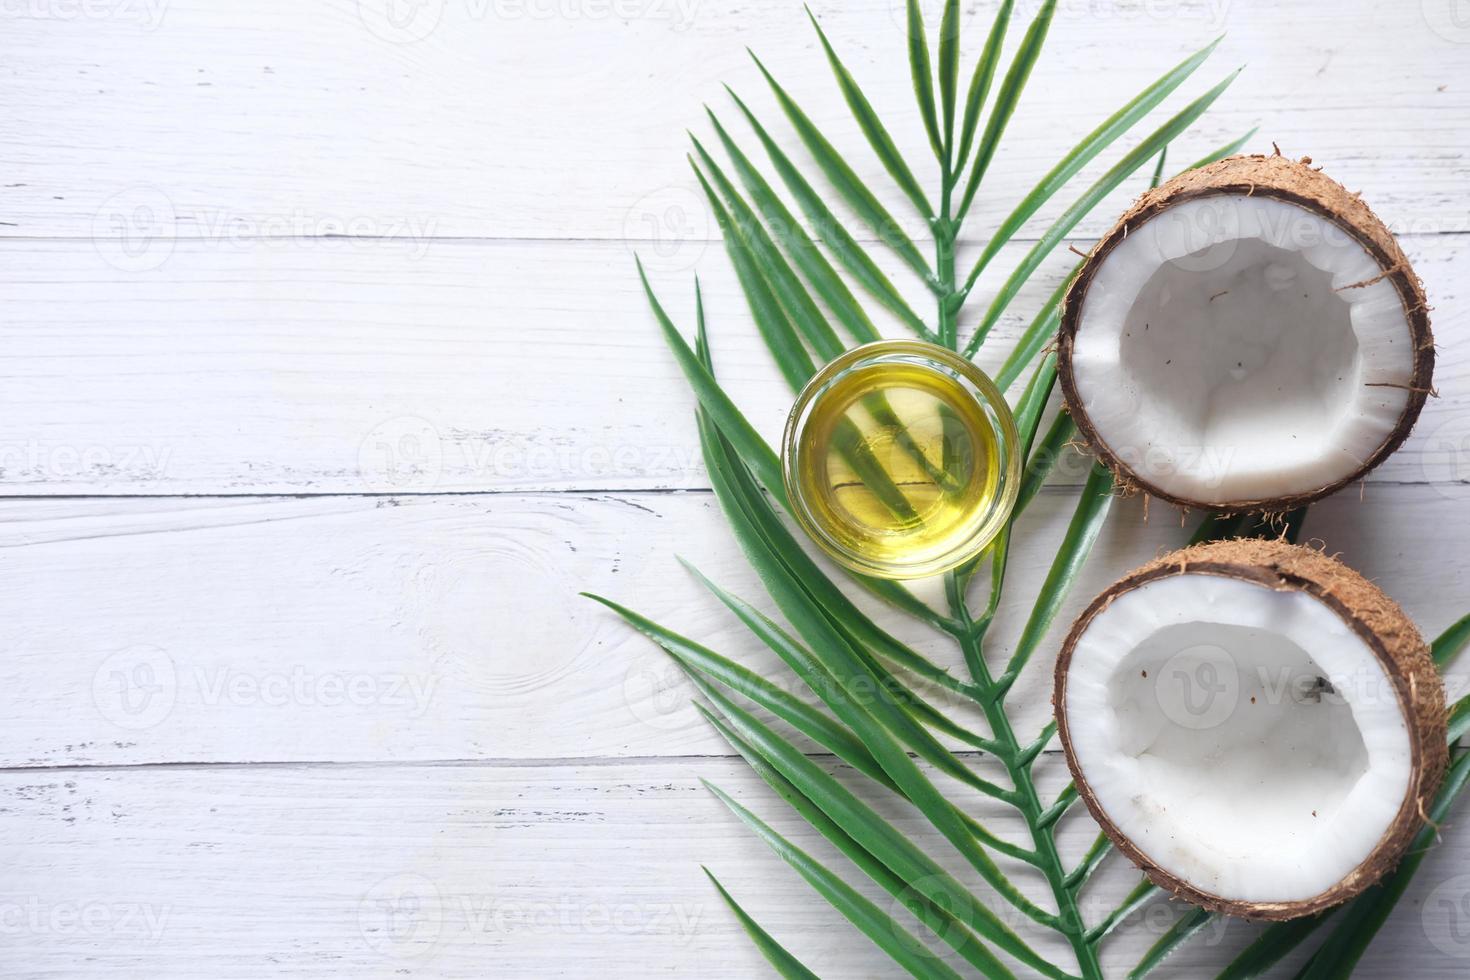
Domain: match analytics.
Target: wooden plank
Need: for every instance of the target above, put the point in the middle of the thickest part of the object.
(329, 366)
(433, 628)
(567, 118)
(556, 870)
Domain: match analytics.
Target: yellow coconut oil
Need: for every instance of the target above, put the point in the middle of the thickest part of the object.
(900, 459)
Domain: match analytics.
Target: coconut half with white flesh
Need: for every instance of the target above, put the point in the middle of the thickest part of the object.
(1254, 724)
(1249, 336)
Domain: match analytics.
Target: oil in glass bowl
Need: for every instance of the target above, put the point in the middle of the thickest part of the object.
(900, 459)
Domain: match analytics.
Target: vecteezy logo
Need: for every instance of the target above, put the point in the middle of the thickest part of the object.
(1206, 230)
(1198, 687)
(1450, 19)
(932, 11)
(403, 453)
(400, 21)
(671, 227)
(1446, 917)
(133, 230)
(401, 916)
(657, 693)
(1445, 455)
(135, 688)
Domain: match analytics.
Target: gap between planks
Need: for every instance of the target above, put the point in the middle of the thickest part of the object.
(586, 762)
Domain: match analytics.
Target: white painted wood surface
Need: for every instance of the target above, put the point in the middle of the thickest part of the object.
(295, 678)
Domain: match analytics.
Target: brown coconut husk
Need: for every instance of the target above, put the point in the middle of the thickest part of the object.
(1371, 614)
(1297, 182)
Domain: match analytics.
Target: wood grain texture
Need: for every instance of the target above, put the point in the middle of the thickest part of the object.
(432, 628)
(516, 871)
(349, 367)
(326, 386)
(567, 118)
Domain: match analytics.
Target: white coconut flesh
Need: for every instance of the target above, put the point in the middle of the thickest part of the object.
(1224, 353)
(1246, 740)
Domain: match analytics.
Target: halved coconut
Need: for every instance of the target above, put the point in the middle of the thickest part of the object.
(1254, 724)
(1249, 336)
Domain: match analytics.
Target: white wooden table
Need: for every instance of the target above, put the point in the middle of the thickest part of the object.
(327, 385)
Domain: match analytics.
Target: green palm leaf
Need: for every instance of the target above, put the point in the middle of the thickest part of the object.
(980, 81)
(949, 69)
(1094, 143)
(833, 233)
(770, 263)
(783, 962)
(1105, 185)
(1006, 99)
(1185, 926)
(845, 181)
(877, 704)
(803, 251)
(774, 325)
(937, 918)
(889, 936)
(872, 126)
(1450, 643)
(919, 872)
(742, 435)
(922, 72)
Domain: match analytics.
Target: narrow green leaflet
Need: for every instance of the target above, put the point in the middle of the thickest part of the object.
(1082, 532)
(783, 962)
(1104, 186)
(833, 233)
(1083, 153)
(1233, 147)
(761, 459)
(1044, 457)
(1271, 946)
(847, 183)
(803, 251)
(795, 712)
(1042, 331)
(775, 327)
(980, 82)
(937, 918)
(772, 265)
(1092, 860)
(872, 126)
(877, 925)
(1038, 745)
(1006, 99)
(894, 849)
(922, 72)
(1159, 168)
(1449, 644)
(1459, 721)
(1187, 925)
(949, 70)
(1143, 893)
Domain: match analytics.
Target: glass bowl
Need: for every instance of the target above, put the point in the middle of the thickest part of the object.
(901, 459)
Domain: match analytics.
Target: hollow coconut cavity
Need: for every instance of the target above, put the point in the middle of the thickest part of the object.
(1254, 724)
(1248, 336)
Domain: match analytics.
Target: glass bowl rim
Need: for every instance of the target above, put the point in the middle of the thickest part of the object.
(986, 392)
